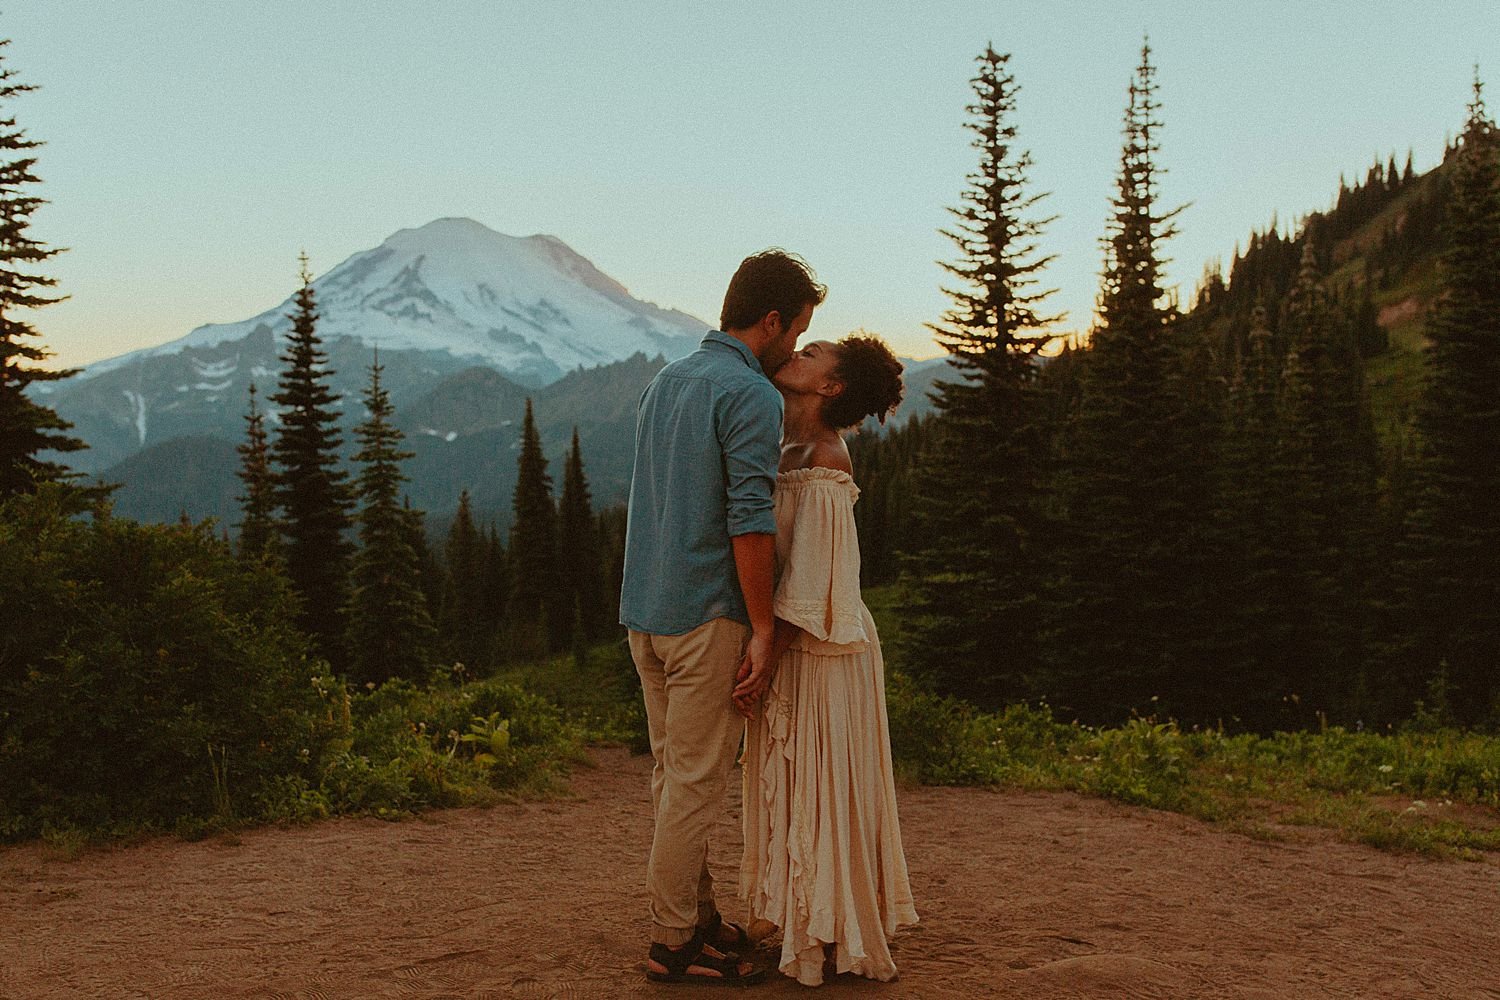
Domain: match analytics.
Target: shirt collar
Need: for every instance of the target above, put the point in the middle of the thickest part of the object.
(735, 344)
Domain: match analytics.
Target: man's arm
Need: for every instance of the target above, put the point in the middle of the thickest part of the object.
(755, 563)
(748, 424)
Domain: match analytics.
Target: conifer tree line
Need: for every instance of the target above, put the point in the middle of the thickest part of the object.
(29, 430)
(1191, 515)
(1199, 513)
(375, 598)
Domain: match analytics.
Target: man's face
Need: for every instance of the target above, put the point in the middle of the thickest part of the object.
(784, 345)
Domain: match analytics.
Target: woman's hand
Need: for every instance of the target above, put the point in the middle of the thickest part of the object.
(749, 687)
(755, 672)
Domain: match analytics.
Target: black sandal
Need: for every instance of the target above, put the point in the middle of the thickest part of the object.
(697, 952)
(715, 926)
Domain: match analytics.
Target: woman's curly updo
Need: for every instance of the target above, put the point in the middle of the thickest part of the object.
(872, 382)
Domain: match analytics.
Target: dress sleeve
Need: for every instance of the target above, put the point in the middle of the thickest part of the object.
(818, 589)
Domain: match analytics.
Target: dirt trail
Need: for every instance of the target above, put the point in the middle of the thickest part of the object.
(1021, 895)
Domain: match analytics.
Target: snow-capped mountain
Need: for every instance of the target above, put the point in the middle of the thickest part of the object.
(529, 306)
(434, 300)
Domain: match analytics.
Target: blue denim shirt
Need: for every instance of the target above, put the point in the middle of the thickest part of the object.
(707, 443)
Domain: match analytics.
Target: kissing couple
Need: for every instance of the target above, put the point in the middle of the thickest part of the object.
(741, 596)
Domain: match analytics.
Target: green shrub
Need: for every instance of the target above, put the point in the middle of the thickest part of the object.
(1144, 762)
(599, 693)
(146, 675)
(288, 798)
(937, 740)
(419, 733)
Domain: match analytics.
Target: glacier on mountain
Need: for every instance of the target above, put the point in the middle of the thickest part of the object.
(530, 306)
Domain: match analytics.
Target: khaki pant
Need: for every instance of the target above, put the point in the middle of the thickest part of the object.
(695, 731)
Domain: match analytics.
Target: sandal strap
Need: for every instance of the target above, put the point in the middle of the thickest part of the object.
(677, 960)
(695, 953)
(715, 924)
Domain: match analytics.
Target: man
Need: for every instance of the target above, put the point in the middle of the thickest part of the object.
(699, 567)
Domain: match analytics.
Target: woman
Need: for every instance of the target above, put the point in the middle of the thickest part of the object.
(823, 857)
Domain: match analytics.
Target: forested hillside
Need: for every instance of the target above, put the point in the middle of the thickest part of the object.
(1225, 513)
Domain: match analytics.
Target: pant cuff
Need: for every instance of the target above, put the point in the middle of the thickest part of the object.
(671, 936)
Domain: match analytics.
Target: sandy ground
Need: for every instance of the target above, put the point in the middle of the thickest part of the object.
(1021, 895)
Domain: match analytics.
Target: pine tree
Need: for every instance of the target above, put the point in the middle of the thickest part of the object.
(311, 490)
(258, 530)
(976, 573)
(579, 565)
(1372, 338)
(429, 569)
(494, 595)
(27, 428)
(1131, 616)
(611, 524)
(1452, 570)
(390, 630)
(1328, 446)
(464, 595)
(535, 613)
(1253, 517)
(886, 462)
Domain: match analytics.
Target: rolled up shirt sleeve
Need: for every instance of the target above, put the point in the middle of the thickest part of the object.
(749, 429)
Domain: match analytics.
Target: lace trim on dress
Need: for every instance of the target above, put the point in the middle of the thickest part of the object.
(838, 626)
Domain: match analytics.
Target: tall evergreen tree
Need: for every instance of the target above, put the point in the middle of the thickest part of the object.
(535, 613)
(1453, 564)
(886, 462)
(258, 530)
(611, 523)
(311, 489)
(579, 563)
(494, 594)
(464, 595)
(1328, 446)
(1131, 610)
(429, 568)
(976, 572)
(27, 428)
(1371, 337)
(1252, 533)
(390, 630)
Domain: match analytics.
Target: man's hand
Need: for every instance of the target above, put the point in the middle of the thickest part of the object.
(755, 565)
(755, 673)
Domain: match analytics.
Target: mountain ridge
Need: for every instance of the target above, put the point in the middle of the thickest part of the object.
(382, 296)
(434, 300)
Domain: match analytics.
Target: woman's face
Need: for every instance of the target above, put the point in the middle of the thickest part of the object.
(810, 370)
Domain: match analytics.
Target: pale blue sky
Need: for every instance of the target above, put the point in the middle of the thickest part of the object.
(193, 148)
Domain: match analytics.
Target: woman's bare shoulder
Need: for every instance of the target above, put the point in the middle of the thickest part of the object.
(831, 455)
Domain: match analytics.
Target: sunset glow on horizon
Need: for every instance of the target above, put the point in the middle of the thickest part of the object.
(192, 152)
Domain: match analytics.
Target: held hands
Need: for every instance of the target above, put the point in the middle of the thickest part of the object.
(754, 674)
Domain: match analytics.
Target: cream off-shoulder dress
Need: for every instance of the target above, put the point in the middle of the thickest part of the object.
(823, 856)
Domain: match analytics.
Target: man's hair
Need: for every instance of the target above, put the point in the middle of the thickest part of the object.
(770, 281)
(872, 382)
